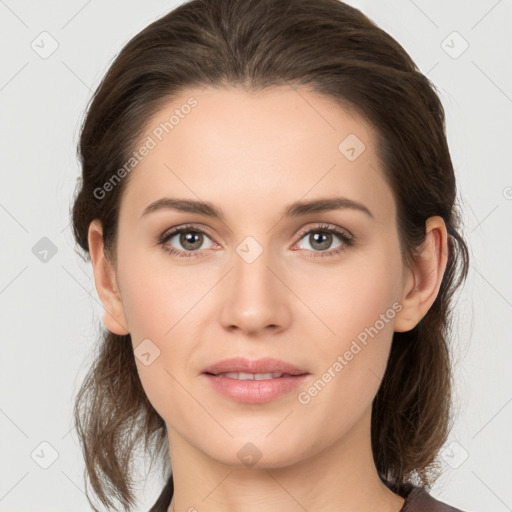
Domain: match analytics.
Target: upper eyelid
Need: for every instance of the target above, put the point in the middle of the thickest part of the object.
(184, 227)
(325, 225)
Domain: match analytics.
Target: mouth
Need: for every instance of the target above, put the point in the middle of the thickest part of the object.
(254, 382)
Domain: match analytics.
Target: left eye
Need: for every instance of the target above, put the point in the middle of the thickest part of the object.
(321, 238)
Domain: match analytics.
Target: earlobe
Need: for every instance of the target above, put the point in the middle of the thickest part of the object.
(106, 283)
(422, 283)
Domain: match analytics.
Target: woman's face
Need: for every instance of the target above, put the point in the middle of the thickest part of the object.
(264, 279)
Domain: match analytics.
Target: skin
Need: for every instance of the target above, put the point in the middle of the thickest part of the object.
(251, 155)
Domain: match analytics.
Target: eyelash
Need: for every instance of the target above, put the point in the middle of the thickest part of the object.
(347, 240)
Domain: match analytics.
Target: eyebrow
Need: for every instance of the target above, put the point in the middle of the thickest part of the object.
(295, 209)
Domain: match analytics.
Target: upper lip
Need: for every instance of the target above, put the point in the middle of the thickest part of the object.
(265, 365)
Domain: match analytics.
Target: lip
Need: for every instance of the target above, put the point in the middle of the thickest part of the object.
(254, 391)
(265, 365)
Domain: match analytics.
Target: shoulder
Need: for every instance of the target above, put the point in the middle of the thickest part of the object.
(418, 499)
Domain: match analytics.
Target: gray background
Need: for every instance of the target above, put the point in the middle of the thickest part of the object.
(49, 305)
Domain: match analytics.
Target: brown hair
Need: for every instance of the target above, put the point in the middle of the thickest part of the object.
(335, 50)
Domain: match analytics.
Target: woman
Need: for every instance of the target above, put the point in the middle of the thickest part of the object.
(268, 203)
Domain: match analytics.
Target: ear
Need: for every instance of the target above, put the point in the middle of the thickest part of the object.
(422, 283)
(106, 282)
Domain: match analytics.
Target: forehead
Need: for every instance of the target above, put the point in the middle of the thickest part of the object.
(245, 150)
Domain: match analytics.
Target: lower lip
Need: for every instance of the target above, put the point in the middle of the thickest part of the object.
(254, 391)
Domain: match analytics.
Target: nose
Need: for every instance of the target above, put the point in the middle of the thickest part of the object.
(255, 297)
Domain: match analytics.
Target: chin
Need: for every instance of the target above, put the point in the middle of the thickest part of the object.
(259, 453)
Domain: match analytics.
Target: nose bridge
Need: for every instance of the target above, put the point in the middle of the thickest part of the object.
(255, 298)
(251, 270)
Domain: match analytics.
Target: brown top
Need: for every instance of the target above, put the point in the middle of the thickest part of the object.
(416, 500)
(419, 500)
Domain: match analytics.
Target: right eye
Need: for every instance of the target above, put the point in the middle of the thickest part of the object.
(189, 237)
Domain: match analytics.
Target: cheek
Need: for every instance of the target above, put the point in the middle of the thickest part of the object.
(157, 293)
(359, 308)
(359, 299)
(161, 303)
(158, 321)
